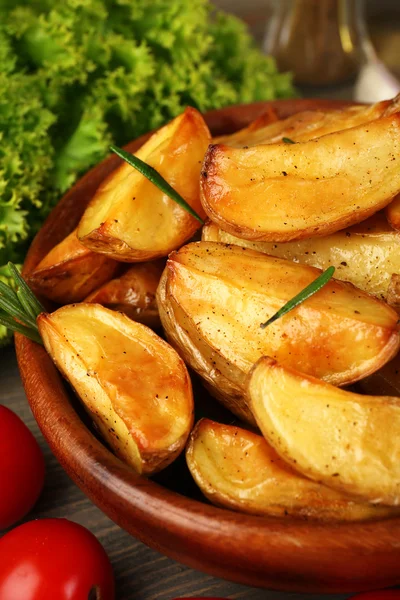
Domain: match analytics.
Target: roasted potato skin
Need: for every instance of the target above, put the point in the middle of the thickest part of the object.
(213, 297)
(393, 212)
(393, 295)
(131, 382)
(274, 192)
(239, 470)
(272, 133)
(247, 134)
(366, 254)
(347, 441)
(129, 218)
(70, 271)
(133, 293)
(306, 125)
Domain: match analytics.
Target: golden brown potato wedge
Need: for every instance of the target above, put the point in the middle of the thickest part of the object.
(129, 218)
(238, 469)
(131, 382)
(285, 192)
(307, 125)
(247, 134)
(213, 297)
(392, 106)
(271, 133)
(393, 295)
(393, 212)
(367, 255)
(347, 441)
(70, 271)
(133, 293)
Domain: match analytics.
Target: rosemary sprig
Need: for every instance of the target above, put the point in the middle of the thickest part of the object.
(158, 180)
(287, 140)
(18, 328)
(306, 293)
(16, 310)
(23, 288)
(20, 307)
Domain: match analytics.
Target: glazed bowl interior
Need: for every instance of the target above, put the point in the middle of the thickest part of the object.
(169, 513)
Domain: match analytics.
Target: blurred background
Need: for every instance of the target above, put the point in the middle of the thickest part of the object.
(328, 44)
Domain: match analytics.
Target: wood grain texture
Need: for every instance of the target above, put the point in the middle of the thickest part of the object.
(275, 553)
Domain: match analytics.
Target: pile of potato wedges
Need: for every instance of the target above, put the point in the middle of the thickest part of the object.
(282, 200)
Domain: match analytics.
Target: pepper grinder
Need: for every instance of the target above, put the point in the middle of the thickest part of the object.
(319, 41)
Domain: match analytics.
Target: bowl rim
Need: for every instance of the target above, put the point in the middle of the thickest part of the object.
(185, 529)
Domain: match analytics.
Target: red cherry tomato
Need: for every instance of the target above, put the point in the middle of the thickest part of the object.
(21, 469)
(54, 559)
(379, 595)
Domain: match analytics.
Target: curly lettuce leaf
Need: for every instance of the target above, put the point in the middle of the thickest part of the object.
(87, 145)
(79, 74)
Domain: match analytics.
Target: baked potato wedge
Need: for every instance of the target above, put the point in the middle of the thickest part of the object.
(252, 132)
(306, 125)
(133, 384)
(238, 469)
(213, 297)
(367, 254)
(346, 441)
(129, 218)
(273, 132)
(133, 293)
(393, 212)
(284, 192)
(70, 271)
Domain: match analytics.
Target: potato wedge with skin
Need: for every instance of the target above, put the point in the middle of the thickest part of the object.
(285, 192)
(70, 271)
(367, 255)
(307, 125)
(393, 212)
(129, 218)
(339, 120)
(393, 295)
(272, 133)
(347, 441)
(131, 382)
(238, 469)
(133, 293)
(244, 136)
(213, 297)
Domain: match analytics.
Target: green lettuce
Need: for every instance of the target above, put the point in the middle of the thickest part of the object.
(78, 75)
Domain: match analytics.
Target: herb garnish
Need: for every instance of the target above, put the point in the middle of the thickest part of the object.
(19, 307)
(306, 293)
(158, 180)
(287, 140)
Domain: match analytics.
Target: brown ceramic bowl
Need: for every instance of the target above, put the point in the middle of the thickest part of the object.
(285, 554)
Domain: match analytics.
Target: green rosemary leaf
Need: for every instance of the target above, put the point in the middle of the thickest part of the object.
(7, 292)
(306, 293)
(25, 304)
(18, 328)
(287, 140)
(158, 180)
(15, 310)
(29, 296)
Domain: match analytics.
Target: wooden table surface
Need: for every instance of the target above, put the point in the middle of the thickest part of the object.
(141, 573)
